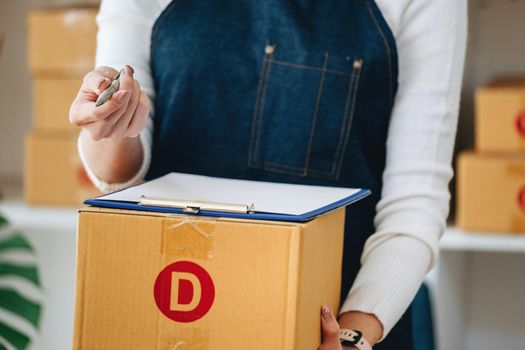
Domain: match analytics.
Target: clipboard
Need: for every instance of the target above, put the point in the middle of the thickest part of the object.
(181, 193)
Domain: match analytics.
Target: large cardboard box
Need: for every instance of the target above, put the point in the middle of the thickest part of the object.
(62, 41)
(52, 98)
(500, 116)
(491, 192)
(221, 283)
(53, 171)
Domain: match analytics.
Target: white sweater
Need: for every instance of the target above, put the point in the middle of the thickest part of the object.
(410, 219)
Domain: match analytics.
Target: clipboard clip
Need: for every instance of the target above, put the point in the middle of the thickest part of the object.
(195, 206)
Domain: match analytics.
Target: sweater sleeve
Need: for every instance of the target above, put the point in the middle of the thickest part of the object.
(124, 31)
(411, 214)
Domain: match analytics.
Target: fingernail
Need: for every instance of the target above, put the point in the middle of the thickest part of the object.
(129, 69)
(326, 312)
(101, 82)
(122, 98)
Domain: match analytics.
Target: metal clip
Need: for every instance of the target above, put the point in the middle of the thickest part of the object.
(195, 206)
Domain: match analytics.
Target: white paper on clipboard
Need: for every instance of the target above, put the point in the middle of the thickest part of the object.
(267, 197)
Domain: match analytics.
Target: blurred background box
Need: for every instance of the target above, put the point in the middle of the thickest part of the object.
(52, 98)
(61, 50)
(491, 192)
(500, 116)
(62, 41)
(53, 171)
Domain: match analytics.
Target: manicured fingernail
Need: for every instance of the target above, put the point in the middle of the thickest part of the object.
(129, 69)
(326, 312)
(122, 98)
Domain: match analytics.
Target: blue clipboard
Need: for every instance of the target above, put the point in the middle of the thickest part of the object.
(158, 196)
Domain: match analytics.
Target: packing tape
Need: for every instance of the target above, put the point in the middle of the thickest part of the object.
(186, 237)
(192, 238)
(183, 338)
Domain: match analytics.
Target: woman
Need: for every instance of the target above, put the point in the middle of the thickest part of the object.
(355, 93)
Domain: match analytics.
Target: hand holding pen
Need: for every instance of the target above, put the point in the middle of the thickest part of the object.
(110, 104)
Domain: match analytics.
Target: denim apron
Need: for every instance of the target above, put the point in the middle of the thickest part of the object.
(295, 91)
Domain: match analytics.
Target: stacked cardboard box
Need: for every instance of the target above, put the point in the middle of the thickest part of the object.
(61, 46)
(491, 180)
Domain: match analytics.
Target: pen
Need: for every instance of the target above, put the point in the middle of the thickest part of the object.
(109, 91)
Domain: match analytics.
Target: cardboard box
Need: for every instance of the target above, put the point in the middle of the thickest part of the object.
(222, 283)
(53, 172)
(52, 98)
(491, 193)
(500, 116)
(62, 41)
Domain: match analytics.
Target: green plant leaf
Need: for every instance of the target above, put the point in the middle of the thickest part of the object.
(10, 299)
(18, 340)
(14, 302)
(15, 241)
(30, 272)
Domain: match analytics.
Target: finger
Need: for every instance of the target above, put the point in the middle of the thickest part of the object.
(83, 112)
(140, 118)
(329, 328)
(102, 129)
(97, 81)
(123, 123)
(126, 79)
(109, 123)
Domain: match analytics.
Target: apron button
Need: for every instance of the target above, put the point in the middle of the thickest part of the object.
(269, 49)
(358, 63)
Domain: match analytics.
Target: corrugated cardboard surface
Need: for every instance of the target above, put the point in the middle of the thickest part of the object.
(491, 192)
(53, 172)
(52, 98)
(500, 116)
(62, 41)
(271, 279)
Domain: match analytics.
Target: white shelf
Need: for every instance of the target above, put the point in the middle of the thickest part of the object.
(456, 239)
(29, 217)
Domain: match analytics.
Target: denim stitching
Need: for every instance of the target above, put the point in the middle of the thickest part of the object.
(319, 69)
(261, 110)
(282, 168)
(354, 88)
(286, 166)
(387, 46)
(345, 122)
(258, 116)
(314, 116)
(251, 161)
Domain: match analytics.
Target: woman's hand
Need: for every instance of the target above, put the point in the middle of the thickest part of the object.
(109, 136)
(329, 330)
(368, 324)
(125, 114)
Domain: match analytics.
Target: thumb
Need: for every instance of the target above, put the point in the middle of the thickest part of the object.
(329, 327)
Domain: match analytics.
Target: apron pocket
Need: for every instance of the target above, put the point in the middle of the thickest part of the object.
(303, 113)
